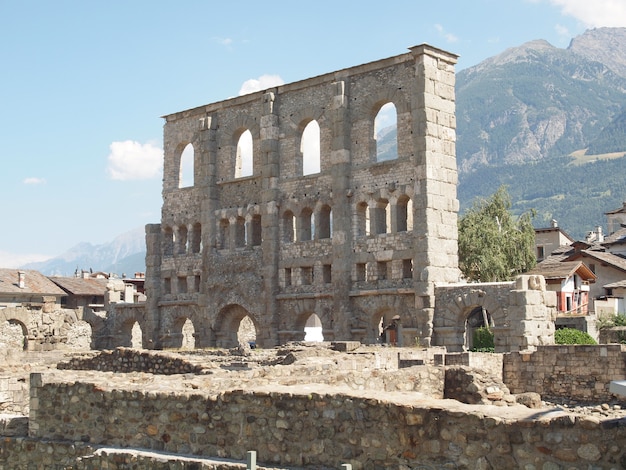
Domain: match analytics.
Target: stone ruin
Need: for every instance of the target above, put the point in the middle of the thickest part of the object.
(364, 241)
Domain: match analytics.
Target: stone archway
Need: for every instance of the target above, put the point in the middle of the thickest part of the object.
(459, 304)
(478, 317)
(227, 325)
(14, 336)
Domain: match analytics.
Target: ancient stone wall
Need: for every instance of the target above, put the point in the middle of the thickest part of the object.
(357, 242)
(318, 429)
(577, 372)
(521, 313)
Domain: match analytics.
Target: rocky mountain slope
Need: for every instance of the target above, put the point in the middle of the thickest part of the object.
(124, 255)
(522, 114)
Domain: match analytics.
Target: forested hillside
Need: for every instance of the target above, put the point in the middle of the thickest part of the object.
(522, 115)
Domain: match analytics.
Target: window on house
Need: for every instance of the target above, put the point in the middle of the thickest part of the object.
(592, 266)
(167, 285)
(540, 253)
(287, 277)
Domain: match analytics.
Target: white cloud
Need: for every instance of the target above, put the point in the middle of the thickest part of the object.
(449, 37)
(130, 160)
(224, 41)
(15, 260)
(262, 83)
(596, 13)
(34, 180)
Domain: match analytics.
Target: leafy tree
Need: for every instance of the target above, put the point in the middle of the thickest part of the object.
(483, 340)
(572, 336)
(493, 244)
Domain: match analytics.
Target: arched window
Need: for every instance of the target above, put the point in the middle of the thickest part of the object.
(305, 225)
(310, 148)
(196, 239)
(136, 336)
(188, 340)
(313, 329)
(404, 214)
(325, 224)
(244, 161)
(224, 234)
(362, 220)
(240, 232)
(289, 227)
(182, 240)
(255, 231)
(168, 241)
(380, 217)
(386, 133)
(186, 171)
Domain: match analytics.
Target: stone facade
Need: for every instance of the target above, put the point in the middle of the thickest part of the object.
(359, 242)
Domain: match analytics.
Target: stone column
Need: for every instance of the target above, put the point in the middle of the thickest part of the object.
(209, 229)
(153, 286)
(341, 269)
(270, 233)
(435, 208)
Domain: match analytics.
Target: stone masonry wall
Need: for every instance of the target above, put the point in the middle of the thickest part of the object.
(322, 430)
(577, 372)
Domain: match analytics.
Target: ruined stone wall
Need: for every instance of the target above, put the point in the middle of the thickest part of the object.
(577, 372)
(522, 313)
(277, 245)
(317, 429)
(27, 329)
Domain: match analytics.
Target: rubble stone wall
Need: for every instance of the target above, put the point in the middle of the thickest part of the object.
(577, 372)
(318, 429)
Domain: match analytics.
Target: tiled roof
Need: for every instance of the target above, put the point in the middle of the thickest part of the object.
(34, 283)
(556, 269)
(618, 236)
(80, 286)
(605, 257)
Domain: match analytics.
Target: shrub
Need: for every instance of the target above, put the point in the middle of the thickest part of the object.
(483, 340)
(572, 336)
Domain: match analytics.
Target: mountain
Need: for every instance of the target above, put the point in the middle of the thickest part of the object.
(124, 255)
(549, 123)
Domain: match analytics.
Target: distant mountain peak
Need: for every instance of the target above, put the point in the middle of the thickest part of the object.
(606, 45)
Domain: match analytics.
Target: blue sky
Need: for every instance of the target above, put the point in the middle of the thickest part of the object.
(84, 84)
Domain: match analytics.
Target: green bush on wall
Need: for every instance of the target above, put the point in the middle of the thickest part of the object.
(483, 340)
(572, 336)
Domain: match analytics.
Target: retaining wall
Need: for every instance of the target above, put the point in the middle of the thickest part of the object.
(576, 372)
(323, 430)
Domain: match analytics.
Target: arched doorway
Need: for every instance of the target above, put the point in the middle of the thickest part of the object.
(477, 319)
(386, 328)
(229, 330)
(14, 336)
(136, 336)
(246, 333)
(313, 329)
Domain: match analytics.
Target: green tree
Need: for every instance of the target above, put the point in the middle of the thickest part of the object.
(494, 245)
